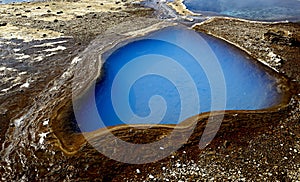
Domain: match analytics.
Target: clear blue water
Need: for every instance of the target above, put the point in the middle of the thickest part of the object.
(268, 10)
(174, 74)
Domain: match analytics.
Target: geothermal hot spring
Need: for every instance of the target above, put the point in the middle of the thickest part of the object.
(267, 10)
(171, 75)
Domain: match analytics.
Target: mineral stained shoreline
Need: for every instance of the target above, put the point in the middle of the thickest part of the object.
(51, 40)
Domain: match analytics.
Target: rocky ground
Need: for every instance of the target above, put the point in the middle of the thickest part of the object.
(45, 45)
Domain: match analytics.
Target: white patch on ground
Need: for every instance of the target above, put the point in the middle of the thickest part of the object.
(54, 88)
(23, 73)
(76, 60)
(51, 54)
(274, 59)
(6, 89)
(23, 56)
(11, 69)
(66, 74)
(58, 48)
(46, 122)
(38, 59)
(25, 85)
(19, 121)
(16, 50)
(50, 44)
(2, 68)
(16, 80)
(138, 171)
(42, 137)
(151, 176)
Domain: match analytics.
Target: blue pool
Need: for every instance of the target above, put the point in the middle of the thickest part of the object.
(268, 10)
(171, 75)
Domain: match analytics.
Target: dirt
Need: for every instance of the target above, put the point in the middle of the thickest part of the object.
(38, 130)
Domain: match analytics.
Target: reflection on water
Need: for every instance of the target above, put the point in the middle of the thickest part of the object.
(249, 9)
(179, 54)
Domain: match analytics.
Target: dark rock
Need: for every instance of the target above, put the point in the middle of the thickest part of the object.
(48, 11)
(55, 21)
(59, 12)
(38, 8)
(79, 16)
(280, 37)
(27, 11)
(2, 24)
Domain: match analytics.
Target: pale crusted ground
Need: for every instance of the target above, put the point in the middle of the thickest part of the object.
(52, 12)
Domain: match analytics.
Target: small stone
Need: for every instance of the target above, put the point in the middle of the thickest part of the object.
(138, 171)
(151, 176)
(78, 16)
(2, 24)
(48, 11)
(59, 12)
(55, 21)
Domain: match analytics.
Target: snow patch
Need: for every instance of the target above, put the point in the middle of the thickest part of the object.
(38, 59)
(19, 121)
(42, 137)
(76, 60)
(46, 122)
(23, 56)
(23, 73)
(25, 85)
(54, 88)
(58, 48)
(138, 171)
(50, 44)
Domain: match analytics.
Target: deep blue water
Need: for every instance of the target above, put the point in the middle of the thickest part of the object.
(174, 74)
(268, 10)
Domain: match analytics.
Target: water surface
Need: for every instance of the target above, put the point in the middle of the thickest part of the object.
(174, 74)
(268, 10)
